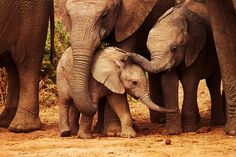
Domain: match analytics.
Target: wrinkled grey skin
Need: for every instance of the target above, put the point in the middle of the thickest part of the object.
(182, 42)
(23, 31)
(124, 23)
(91, 21)
(223, 17)
(112, 76)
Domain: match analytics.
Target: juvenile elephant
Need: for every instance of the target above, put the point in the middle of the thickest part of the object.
(181, 42)
(23, 31)
(112, 75)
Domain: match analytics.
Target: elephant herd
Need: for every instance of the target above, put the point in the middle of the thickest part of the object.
(172, 42)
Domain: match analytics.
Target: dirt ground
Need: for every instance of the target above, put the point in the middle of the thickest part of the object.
(209, 141)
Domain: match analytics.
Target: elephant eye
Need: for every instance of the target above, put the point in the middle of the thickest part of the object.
(104, 15)
(173, 48)
(135, 82)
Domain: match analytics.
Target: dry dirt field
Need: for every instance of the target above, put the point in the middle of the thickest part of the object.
(149, 142)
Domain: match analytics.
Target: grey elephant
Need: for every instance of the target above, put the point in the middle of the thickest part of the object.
(112, 75)
(222, 16)
(181, 44)
(116, 21)
(23, 31)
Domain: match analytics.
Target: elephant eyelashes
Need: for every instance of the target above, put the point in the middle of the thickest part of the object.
(104, 15)
(173, 49)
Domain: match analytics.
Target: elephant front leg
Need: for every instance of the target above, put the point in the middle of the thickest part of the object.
(170, 83)
(64, 105)
(27, 115)
(156, 95)
(112, 126)
(120, 105)
(12, 96)
(85, 127)
(74, 116)
(190, 112)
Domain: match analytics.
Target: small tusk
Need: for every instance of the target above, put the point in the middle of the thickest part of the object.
(169, 70)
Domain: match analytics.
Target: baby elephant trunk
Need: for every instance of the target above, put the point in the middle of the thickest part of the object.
(151, 105)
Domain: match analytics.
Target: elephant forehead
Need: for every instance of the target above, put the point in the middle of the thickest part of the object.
(163, 34)
(133, 72)
(86, 7)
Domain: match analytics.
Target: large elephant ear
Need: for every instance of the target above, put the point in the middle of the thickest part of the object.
(62, 12)
(197, 37)
(106, 70)
(132, 15)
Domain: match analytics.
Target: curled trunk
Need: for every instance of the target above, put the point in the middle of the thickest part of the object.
(153, 66)
(151, 105)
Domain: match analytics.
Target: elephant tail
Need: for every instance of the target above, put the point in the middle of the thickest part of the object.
(52, 30)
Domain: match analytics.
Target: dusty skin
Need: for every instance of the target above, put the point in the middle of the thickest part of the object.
(206, 142)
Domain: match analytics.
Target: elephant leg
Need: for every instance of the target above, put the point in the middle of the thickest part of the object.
(85, 125)
(156, 95)
(27, 115)
(12, 96)
(218, 108)
(99, 127)
(120, 105)
(112, 126)
(190, 111)
(74, 116)
(64, 125)
(170, 84)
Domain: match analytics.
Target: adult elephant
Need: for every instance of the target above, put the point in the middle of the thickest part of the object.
(90, 21)
(23, 31)
(223, 20)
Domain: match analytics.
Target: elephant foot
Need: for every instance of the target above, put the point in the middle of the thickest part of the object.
(7, 116)
(190, 128)
(84, 135)
(230, 127)
(24, 122)
(98, 129)
(128, 133)
(112, 130)
(74, 130)
(218, 119)
(157, 117)
(173, 123)
(174, 130)
(65, 132)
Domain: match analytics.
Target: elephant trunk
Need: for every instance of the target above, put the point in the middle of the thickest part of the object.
(154, 66)
(146, 100)
(83, 43)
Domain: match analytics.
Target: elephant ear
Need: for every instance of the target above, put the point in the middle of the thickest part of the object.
(132, 15)
(197, 37)
(62, 12)
(106, 70)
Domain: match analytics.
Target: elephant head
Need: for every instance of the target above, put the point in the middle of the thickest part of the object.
(178, 37)
(112, 69)
(90, 21)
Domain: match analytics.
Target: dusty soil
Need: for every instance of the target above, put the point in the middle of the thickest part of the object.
(209, 141)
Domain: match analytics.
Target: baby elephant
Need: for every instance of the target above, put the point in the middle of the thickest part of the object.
(112, 75)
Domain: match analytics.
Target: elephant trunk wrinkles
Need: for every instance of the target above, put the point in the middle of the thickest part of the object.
(145, 98)
(153, 66)
(83, 45)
